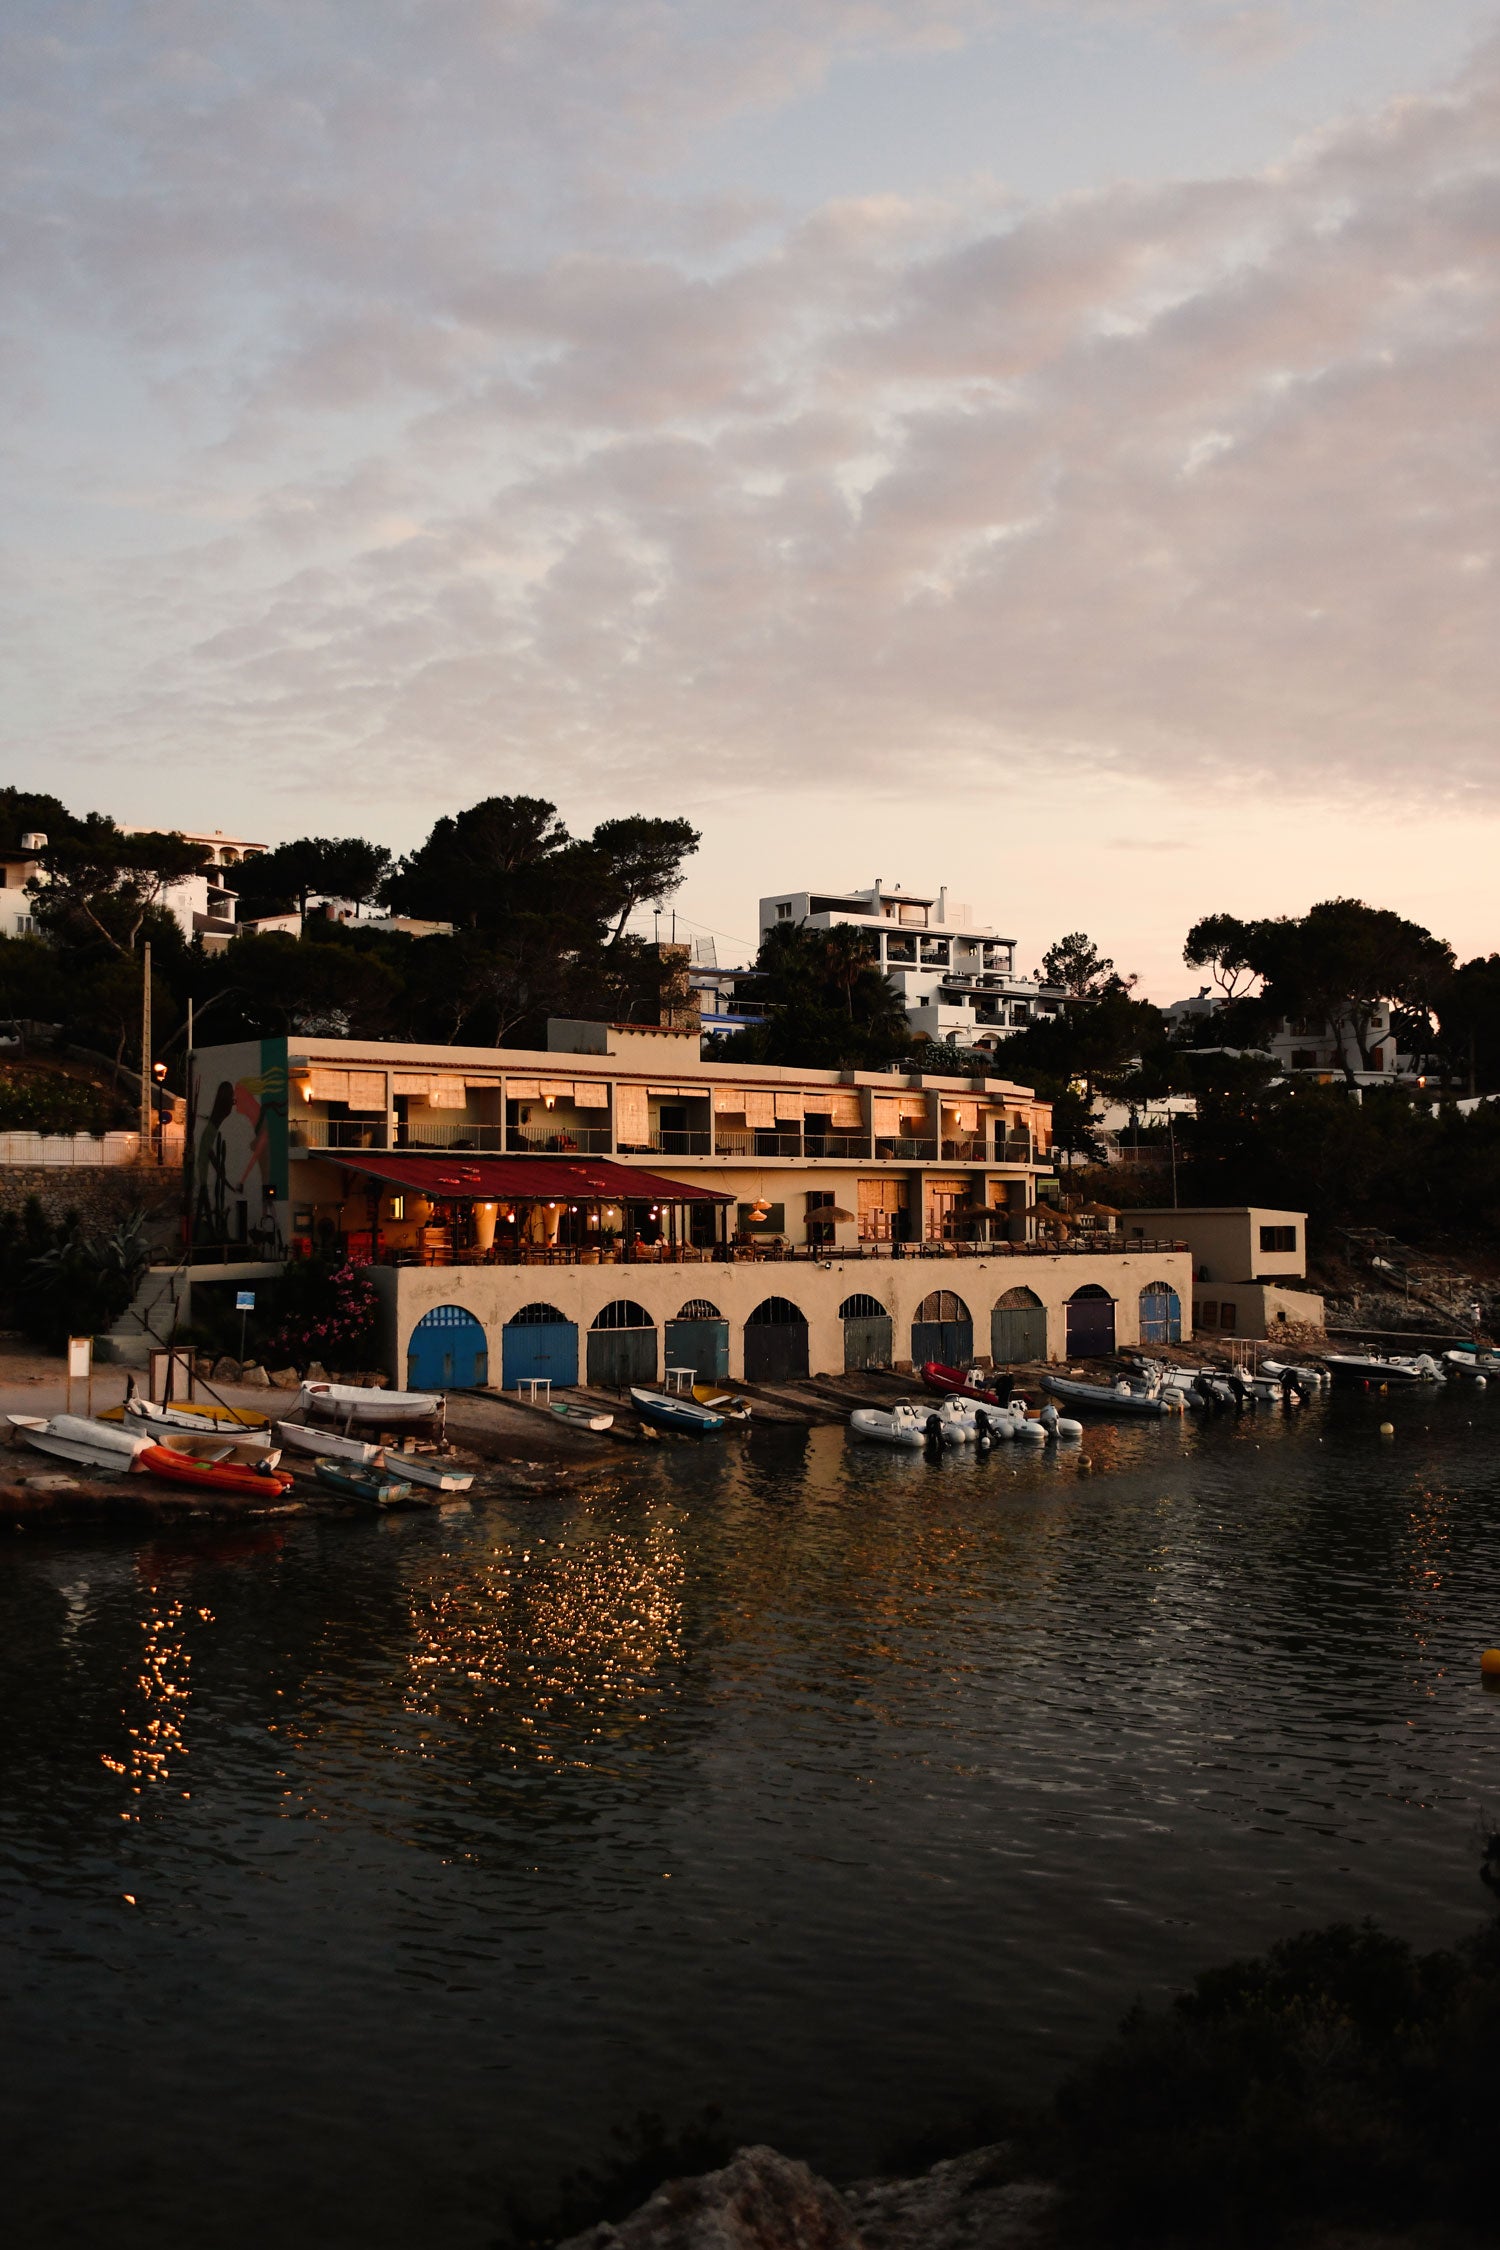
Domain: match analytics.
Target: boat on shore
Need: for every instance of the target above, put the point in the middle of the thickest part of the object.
(197, 1418)
(671, 1411)
(962, 1382)
(104, 1446)
(236, 1477)
(236, 1441)
(329, 1445)
(728, 1403)
(1103, 1398)
(581, 1417)
(417, 1468)
(348, 1402)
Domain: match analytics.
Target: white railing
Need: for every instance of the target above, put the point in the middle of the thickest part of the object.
(78, 1150)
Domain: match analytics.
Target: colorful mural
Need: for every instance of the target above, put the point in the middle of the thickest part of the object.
(240, 1149)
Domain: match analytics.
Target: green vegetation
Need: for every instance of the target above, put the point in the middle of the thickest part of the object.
(1339, 2079)
(828, 1004)
(62, 1279)
(45, 1101)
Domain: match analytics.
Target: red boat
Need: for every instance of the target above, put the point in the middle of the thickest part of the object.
(211, 1476)
(961, 1382)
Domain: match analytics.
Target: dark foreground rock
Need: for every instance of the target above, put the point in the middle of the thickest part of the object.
(762, 2200)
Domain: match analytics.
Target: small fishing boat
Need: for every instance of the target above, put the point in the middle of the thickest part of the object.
(236, 1477)
(727, 1403)
(234, 1440)
(580, 1416)
(674, 1412)
(347, 1402)
(371, 1486)
(1469, 1365)
(1102, 1398)
(962, 1382)
(329, 1445)
(199, 1418)
(913, 1427)
(419, 1470)
(105, 1446)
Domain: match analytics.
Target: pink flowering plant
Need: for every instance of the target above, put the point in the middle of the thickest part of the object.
(324, 1312)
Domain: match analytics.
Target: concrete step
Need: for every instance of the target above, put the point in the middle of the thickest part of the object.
(147, 1322)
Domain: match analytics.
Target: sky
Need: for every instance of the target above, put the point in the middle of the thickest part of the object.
(1042, 446)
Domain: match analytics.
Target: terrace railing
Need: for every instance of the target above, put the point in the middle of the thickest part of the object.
(414, 1132)
(899, 1148)
(836, 1144)
(754, 1141)
(558, 1140)
(683, 1143)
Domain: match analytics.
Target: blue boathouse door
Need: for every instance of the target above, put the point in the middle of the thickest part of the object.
(447, 1351)
(539, 1341)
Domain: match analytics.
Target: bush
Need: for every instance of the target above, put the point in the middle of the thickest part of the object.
(1341, 2078)
(323, 1311)
(66, 1281)
(43, 1101)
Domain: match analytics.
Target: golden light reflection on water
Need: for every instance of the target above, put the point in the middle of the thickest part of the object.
(557, 1640)
(158, 1695)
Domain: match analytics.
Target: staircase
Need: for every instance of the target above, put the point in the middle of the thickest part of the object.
(147, 1321)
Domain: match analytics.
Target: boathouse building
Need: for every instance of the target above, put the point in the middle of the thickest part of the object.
(611, 1206)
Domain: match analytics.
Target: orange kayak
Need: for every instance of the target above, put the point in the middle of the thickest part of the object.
(211, 1476)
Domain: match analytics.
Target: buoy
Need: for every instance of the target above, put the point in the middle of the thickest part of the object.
(1084, 1464)
(1387, 1429)
(1489, 1663)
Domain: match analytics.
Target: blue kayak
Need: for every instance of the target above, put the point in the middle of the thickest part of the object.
(674, 1412)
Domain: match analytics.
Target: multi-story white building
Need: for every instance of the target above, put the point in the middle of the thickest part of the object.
(201, 905)
(956, 976)
(1312, 1047)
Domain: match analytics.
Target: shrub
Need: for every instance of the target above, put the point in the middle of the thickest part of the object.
(323, 1311)
(68, 1281)
(42, 1101)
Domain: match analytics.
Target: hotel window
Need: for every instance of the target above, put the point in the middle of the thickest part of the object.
(1206, 1315)
(1278, 1238)
(1304, 1058)
(1227, 1316)
(783, 910)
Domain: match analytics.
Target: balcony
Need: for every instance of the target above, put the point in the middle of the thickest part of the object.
(836, 1144)
(898, 1148)
(1014, 1148)
(680, 1143)
(558, 1140)
(966, 1149)
(756, 1141)
(412, 1132)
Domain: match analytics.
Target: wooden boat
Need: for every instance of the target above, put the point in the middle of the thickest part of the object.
(418, 1469)
(580, 1416)
(733, 1408)
(1103, 1398)
(238, 1441)
(329, 1445)
(198, 1418)
(962, 1382)
(347, 1402)
(372, 1486)
(104, 1446)
(210, 1476)
(673, 1412)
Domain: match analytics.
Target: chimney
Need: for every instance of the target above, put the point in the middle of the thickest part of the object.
(942, 912)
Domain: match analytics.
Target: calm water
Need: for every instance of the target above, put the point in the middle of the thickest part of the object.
(837, 1788)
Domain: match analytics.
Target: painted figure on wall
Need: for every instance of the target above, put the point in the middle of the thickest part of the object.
(237, 1144)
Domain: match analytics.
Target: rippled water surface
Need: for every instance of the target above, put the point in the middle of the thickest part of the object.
(836, 1788)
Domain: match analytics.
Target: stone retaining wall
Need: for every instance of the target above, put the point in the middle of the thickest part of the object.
(102, 1195)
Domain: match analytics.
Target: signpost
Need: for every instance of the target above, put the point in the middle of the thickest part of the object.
(81, 1368)
(244, 1302)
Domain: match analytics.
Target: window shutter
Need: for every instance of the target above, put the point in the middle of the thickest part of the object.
(367, 1090)
(591, 1095)
(329, 1085)
(632, 1118)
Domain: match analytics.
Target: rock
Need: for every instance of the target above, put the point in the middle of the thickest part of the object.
(761, 2200)
(316, 1372)
(203, 1365)
(255, 1375)
(285, 1379)
(380, 1382)
(226, 1370)
(971, 2202)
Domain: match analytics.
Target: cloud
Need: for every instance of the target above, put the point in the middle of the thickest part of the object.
(466, 448)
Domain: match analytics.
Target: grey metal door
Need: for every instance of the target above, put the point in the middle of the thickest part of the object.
(869, 1342)
(618, 1357)
(702, 1345)
(1091, 1323)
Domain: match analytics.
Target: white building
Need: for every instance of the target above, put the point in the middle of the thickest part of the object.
(1310, 1047)
(956, 977)
(202, 905)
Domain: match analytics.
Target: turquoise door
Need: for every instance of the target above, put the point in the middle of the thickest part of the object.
(538, 1341)
(447, 1351)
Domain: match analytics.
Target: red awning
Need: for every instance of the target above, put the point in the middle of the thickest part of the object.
(461, 1177)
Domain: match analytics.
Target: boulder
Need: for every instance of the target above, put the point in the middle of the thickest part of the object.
(226, 1370)
(761, 2200)
(972, 2202)
(316, 1372)
(285, 1379)
(255, 1375)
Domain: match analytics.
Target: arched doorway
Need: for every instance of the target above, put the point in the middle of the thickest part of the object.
(1091, 1322)
(775, 1342)
(538, 1341)
(447, 1351)
(1161, 1314)
(943, 1330)
(869, 1333)
(1018, 1328)
(622, 1345)
(699, 1338)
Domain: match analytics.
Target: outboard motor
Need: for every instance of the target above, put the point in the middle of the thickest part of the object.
(934, 1430)
(1049, 1419)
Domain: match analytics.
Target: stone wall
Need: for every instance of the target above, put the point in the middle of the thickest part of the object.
(102, 1195)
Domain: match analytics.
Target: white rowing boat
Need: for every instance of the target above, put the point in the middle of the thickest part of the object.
(105, 1446)
(347, 1402)
(329, 1445)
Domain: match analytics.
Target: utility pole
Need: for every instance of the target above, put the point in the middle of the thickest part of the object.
(146, 1078)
